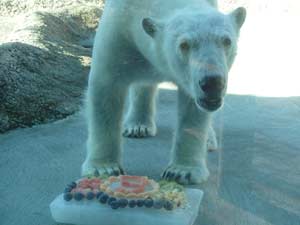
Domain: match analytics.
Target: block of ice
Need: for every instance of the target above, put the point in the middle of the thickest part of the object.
(93, 213)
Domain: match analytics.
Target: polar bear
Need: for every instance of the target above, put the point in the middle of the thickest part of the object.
(143, 42)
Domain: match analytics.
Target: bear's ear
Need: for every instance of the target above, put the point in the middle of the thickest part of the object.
(239, 16)
(151, 27)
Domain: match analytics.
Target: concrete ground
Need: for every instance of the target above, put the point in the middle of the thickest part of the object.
(255, 176)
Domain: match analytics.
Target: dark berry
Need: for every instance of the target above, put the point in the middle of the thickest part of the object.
(90, 195)
(68, 189)
(140, 202)
(72, 185)
(96, 173)
(132, 203)
(111, 199)
(168, 205)
(149, 202)
(99, 194)
(123, 202)
(68, 196)
(78, 196)
(115, 204)
(158, 204)
(103, 199)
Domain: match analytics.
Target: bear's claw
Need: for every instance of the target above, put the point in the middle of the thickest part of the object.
(139, 131)
(107, 169)
(186, 174)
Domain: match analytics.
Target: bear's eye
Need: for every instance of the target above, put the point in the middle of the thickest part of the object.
(184, 46)
(226, 41)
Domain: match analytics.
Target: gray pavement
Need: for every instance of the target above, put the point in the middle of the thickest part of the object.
(255, 176)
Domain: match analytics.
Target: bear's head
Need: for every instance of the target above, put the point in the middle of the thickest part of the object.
(198, 48)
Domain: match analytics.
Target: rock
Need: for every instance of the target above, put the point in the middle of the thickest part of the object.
(17, 7)
(44, 67)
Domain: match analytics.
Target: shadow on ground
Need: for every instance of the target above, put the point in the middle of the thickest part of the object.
(253, 178)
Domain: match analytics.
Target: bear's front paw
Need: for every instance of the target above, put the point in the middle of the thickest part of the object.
(186, 174)
(110, 169)
(135, 130)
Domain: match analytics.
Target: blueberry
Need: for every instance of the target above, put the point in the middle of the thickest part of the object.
(78, 196)
(72, 185)
(99, 194)
(111, 199)
(158, 204)
(168, 205)
(68, 189)
(103, 199)
(149, 202)
(115, 204)
(90, 195)
(140, 202)
(96, 173)
(68, 197)
(123, 202)
(132, 203)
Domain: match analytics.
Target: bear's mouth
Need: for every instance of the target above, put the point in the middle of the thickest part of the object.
(210, 104)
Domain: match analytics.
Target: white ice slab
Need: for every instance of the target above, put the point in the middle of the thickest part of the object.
(93, 213)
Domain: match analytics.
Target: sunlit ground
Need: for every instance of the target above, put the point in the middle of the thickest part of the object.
(268, 60)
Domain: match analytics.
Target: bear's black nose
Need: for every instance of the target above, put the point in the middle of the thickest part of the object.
(213, 86)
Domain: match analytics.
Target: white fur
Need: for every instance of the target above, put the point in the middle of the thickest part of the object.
(137, 46)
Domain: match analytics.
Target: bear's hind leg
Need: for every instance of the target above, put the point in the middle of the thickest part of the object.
(212, 143)
(140, 118)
